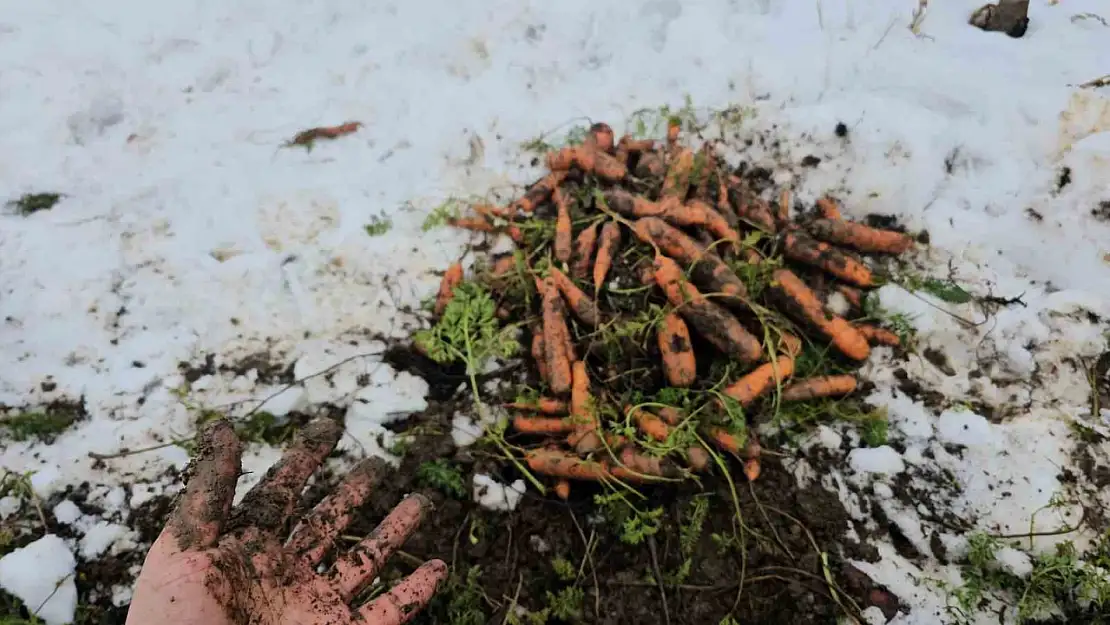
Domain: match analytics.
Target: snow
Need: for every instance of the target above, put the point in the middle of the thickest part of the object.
(493, 495)
(185, 232)
(41, 576)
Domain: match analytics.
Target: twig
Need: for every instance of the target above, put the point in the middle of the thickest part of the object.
(659, 578)
(1102, 81)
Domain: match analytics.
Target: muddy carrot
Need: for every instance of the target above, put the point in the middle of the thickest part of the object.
(651, 165)
(697, 457)
(860, 237)
(801, 302)
(539, 192)
(451, 279)
(542, 405)
(562, 489)
(584, 247)
(828, 208)
(680, 170)
(698, 213)
(789, 344)
(558, 463)
(752, 469)
(502, 266)
(491, 211)
(707, 269)
(710, 320)
(306, 138)
(878, 336)
(852, 294)
(799, 247)
(673, 128)
(543, 425)
(728, 442)
(556, 335)
(584, 438)
(670, 415)
(679, 364)
(590, 160)
(580, 304)
(539, 354)
(649, 424)
(784, 206)
(600, 136)
(824, 386)
(610, 240)
(476, 224)
(635, 467)
(564, 238)
(631, 205)
(703, 171)
(760, 380)
(629, 145)
(749, 208)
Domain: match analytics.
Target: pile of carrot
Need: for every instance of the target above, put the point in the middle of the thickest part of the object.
(680, 224)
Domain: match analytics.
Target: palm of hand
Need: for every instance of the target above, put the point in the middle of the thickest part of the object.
(214, 566)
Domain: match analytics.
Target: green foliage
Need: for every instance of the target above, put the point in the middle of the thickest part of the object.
(32, 203)
(43, 425)
(898, 323)
(468, 331)
(690, 532)
(442, 475)
(632, 525)
(566, 605)
(378, 226)
(874, 426)
(564, 569)
(460, 601)
(575, 135)
(442, 214)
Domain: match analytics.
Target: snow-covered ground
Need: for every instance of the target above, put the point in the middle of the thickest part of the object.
(185, 231)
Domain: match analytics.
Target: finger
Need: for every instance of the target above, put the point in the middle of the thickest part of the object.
(362, 563)
(268, 506)
(315, 534)
(210, 489)
(406, 599)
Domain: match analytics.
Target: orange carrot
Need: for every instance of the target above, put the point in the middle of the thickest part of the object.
(790, 344)
(752, 469)
(759, 380)
(679, 172)
(635, 467)
(673, 128)
(651, 165)
(801, 302)
(539, 192)
(451, 279)
(491, 211)
(558, 463)
(698, 213)
(543, 425)
(562, 489)
(828, 208)
(803, 249)
(476, 224)
(556, 336)
(582, 306)
(543, 405)
(678, 355)
(710, 320)
(784, 206)
(631, 205)
(749, 208)
(824, 386)
(607, 248)
(539, 354)
(600, 136)
(878, 336)
(649, 424)
(704, 171)
(707, 269)
(852, 294)
(564, 238)
(730, 443)
(502, 266)
(584, 438)
(697, 457)
(860, 237)
(584, 251)
(670, 415)
(589, 159)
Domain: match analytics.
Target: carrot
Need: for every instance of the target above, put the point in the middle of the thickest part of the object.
(728, 442)
(502, 266)
(759, 380)
(491, 211)
(802, 248)
(698, 213)
(542, 405)
(539, 354)
(476, 224)
(703, 173)
(651, 165)
(828, 208)
(582, 306)
(708, 270)
(539, 192)
(878, 336)
(697, 457)
(584, 438)
(584, 251)
(852, 294)
(631, 205)
(589, 159)
(600, 136)
(823, 386)
(649, 424)
(306, 138)
(860, 237)
(606, 249)
(564, 238)
(790, 344)
(556, 336)
(678, 355)
(558, 463)
(632, 145)
(451, 279)
(562, 489)
(752, 469)
(784, 206)
(751, 209)
(710, 320)
(673, 128)
(636, 467)
(543, 425)
(670, 415)
(802, 303)
(679, 173)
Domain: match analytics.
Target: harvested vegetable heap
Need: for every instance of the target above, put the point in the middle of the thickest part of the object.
(672, 304)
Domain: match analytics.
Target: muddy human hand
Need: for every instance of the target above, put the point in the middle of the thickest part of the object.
(215, 565)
